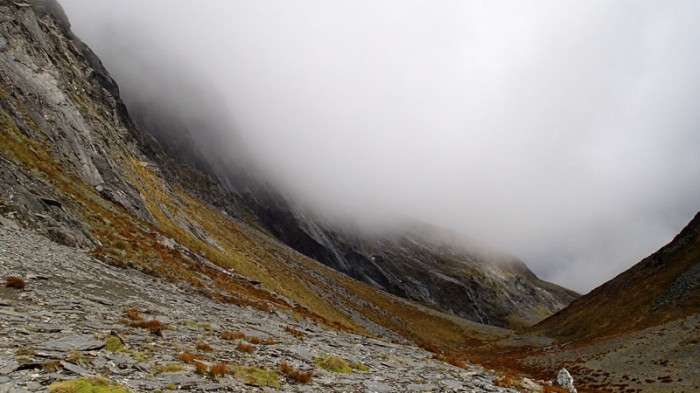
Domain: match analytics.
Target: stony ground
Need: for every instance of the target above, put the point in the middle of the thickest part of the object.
(56, 328)
(662, 358)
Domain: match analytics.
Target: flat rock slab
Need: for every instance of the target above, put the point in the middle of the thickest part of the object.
(78, 342)
(378, 387)
(75, 368)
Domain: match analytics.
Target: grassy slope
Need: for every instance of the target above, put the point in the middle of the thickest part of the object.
(627, 302)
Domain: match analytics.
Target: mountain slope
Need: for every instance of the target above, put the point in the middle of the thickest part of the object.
(414, 260)
(663, 287)
(73, 166)
(637, 332)
(76, 168)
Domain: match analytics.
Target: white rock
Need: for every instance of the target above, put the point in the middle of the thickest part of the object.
(565, 380)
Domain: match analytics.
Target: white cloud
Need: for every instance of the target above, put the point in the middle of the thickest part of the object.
(564, 132)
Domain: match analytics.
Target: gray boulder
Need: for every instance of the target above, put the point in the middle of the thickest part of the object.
(565, 380)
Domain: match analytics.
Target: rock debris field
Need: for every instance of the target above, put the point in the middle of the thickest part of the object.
(77, 318)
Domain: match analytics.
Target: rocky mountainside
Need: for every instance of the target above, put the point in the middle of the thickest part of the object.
(661, 288)
(59, 96)
(77, 317)
(192, 143)
(637, 332)
(425, 264)
(75, 168)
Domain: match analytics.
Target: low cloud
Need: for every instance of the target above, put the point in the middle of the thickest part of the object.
(565, 133)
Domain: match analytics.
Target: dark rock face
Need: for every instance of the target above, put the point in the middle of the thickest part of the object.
(424, 264)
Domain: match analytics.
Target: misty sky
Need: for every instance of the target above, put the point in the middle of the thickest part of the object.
(564, 132)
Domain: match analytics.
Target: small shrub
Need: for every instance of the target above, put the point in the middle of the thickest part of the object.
(301, 376)
(218, 369)
(243, 347)
(14, 282)
(155, 327)
(333, 363)
(188, 357)
(286, 368)
(204, 347)
(229, 335)
(200, 368)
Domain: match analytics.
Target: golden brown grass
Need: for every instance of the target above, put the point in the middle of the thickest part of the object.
(14, 282)
(294, 375)
(218, 369)
(200, 368)
(294, 332)
(243, 347)
(204, 347)
(229, 335)
(188, 357)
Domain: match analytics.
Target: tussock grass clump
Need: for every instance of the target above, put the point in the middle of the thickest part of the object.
(333, 363)
(133, 314)
(243, 347)
(114, 344)
(188, 357)
(294, 332)
(218, 369)
(87, 385)
(294, 375)
(359, 366)
(204, 347)
(260, 341)
(155, 327)
(229, 335)
(200, 368)
(168, 368)
(257, 376)
(14, 282)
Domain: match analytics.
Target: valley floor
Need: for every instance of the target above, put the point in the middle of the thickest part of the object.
(69, 319)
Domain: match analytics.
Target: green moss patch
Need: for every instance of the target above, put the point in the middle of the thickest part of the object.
(87, 385)
(114, 344)
(257, 376)
(333, 363)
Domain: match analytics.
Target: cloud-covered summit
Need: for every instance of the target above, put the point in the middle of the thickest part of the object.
(566, 133)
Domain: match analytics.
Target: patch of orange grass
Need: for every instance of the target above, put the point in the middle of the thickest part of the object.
(133, 314)
(200, 368)
(218, 369)
(260, 341)
(294, 332)
(204, 347)
(188, 357)
(295, 376)
(14, 282)
(243, 347)
(229, 335)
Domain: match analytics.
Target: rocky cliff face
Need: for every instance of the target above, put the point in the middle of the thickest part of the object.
(425, 264)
